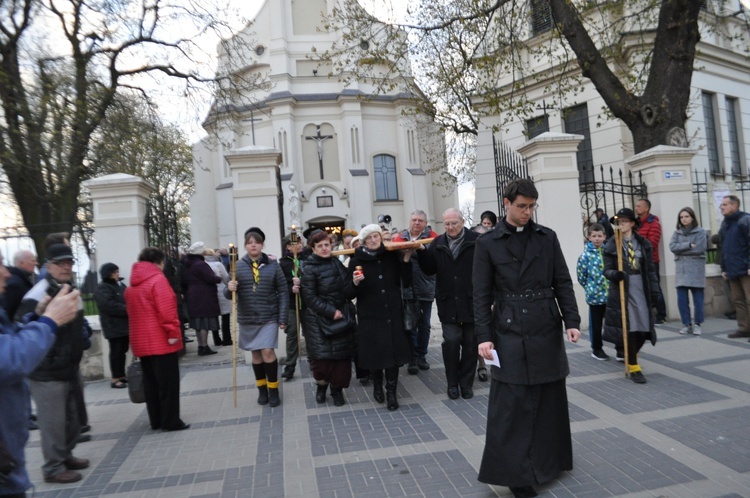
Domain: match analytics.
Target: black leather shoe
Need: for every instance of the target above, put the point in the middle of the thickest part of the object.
(467, 393)
(523, 491)
(337, 394)
(392, 401)
(377, 392)
(638, 377)
(180, 427)
(453, 392)
(320, 394)
(422, 363)
(205, 351)
(84, 438)
(413, 369)
(287, 374)
(738, 334)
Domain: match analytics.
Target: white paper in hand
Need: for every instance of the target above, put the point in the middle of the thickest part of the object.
(494, 361)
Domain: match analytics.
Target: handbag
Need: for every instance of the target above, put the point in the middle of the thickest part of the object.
(613, 335)
(411, 314)
(135, 382)
(332, 328)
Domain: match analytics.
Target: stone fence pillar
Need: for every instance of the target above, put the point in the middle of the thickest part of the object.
(666, 173)
(256, 192)
(553, 167)
(120, 205)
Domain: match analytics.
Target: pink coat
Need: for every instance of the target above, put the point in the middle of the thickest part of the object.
(152, 311)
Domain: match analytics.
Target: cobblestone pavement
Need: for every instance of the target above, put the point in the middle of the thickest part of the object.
(686, 433)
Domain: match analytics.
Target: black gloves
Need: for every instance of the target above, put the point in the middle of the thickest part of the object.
(617, 276)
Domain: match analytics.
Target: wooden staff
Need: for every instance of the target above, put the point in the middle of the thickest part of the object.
(233, 270)
(623, 310)
(294, 239)
(389, 246)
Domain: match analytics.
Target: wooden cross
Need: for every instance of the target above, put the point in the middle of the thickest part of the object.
(319, 142)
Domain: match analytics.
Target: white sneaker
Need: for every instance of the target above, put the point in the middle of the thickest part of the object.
(697, 329)
(685, 329)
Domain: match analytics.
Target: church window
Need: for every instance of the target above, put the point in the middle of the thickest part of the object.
(734, 137)
(386, 184)
(364, 45)
(354, 137)
(712, 142)
(260, 50)
(541, 16)
(536, 126)
(577, 123)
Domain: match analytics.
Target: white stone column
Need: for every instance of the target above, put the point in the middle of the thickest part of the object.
(554, 169)
(256, 192)
(120, 204)
(666, 173)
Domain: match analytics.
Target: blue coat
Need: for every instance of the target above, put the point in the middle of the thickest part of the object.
(20, 352)
(735, 244)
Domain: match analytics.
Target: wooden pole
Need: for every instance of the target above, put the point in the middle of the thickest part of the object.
(623, 310)
(389, 246)
(233, 270)
(294, 239)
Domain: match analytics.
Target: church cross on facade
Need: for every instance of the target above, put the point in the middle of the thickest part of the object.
(252, 121)
(319, 142)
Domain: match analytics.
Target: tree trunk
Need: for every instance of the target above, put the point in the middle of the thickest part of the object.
(663, 105)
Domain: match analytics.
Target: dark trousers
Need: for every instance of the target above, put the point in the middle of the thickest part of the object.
(661, 305)
(118, 350)
(292, 341)
(161, 387)
(459, 354)
(83, 415)
(420, 336)
(596, 320)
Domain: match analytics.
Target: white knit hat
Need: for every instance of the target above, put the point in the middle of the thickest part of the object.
(367, 230)
(197, 248)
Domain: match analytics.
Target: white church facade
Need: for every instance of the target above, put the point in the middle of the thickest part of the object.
(347, 154)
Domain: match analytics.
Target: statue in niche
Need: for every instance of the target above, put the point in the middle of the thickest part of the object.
(294, 205)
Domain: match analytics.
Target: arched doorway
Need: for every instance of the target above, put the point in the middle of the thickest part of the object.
(330, 224)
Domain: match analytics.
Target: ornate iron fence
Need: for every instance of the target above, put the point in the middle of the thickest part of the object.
(610, 192)
(509, 165)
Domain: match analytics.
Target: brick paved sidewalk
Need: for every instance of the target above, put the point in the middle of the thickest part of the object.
(684, 434)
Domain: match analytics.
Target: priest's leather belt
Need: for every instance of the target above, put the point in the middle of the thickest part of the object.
(529, 295)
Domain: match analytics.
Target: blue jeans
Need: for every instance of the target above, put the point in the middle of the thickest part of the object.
(420, 337)
(683, 303)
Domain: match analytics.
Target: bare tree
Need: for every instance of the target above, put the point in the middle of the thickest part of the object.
(62, 63)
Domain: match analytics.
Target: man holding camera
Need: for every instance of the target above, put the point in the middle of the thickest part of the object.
(55, 380)
(21, 349)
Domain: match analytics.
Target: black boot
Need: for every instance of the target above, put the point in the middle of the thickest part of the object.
(390, 392)
(337, 393)
(377, 385)
(262, 395)
(273, 396)
(320, 394)
(217, 338)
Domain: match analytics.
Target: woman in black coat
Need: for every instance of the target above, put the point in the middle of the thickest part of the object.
(640, 292)
(377, 275)
(201, 297)
(113, 314)
(322, 285)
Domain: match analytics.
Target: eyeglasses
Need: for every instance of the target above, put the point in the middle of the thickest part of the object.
(524, 207)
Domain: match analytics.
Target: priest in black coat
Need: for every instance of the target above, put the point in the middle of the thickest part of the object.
(520, 269)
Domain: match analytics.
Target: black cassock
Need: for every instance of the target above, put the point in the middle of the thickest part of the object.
(524, 275)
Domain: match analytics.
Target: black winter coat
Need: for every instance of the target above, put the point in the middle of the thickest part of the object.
(63, 359)
(381, 339)
(454, 291)
(527, 332)
(201, 298)
(260, 303)
(322, 289)
(613, 315)
(19, 283)
(113, 314)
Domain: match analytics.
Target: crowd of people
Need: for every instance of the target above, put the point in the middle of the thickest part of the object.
(364, 305)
